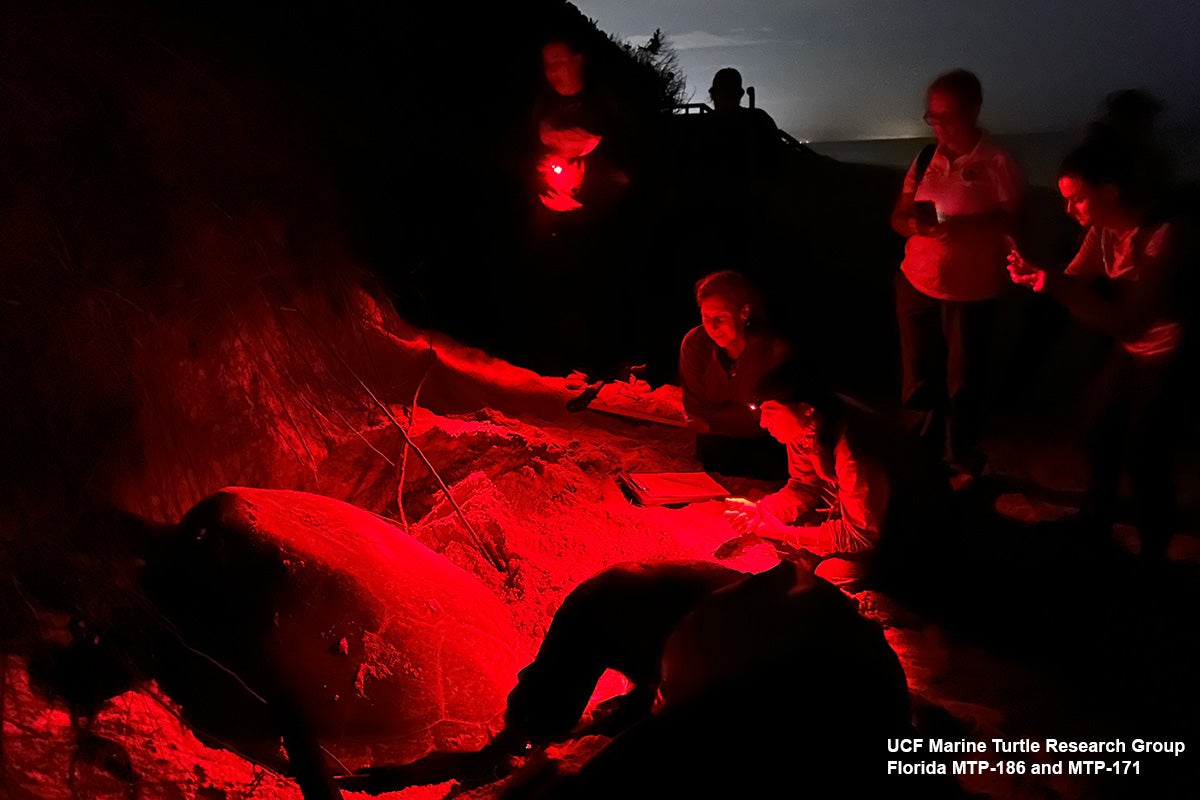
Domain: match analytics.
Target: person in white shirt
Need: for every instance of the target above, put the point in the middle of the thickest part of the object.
(956, 210)
(1126, 281)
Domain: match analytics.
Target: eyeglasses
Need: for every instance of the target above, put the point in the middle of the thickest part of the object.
(937, 119)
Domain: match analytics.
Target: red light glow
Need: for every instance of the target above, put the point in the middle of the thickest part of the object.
(562, 169)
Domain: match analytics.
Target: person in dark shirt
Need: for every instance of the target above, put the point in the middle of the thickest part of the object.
(738, 165)
(581, 128)
(749, 134)
(721, 362)
(580, 141)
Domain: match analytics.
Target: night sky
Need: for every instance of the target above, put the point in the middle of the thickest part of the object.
(851, 69)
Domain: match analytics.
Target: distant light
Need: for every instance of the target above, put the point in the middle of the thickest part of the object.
(557, 169)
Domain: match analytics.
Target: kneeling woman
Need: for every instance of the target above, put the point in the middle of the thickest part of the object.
(830, 512)
(721, 362)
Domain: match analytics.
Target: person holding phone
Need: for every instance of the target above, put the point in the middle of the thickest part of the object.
(1126, 281)
(958, 203)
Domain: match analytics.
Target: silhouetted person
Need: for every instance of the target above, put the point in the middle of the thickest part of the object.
(1124, 282)
(772, 676)
(721, 363)
(748, 135)
(956, 216)
(618, 619)
(740, 150)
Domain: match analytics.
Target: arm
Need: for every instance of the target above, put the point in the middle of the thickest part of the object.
(799, 495)
(1124, 318)
(693, 360)
(903, 220)
(862, 497)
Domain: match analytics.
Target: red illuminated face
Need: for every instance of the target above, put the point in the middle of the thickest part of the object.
(1088, 204)
(790, 424)
(723, 321)
(953, 123)
(563, 68)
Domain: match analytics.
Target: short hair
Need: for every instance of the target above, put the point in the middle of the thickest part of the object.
(728, 284)
(961, 83)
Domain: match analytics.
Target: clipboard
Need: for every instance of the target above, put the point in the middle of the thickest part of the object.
(670, 488)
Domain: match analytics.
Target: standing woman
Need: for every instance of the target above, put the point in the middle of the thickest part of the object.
(1123, 282)
(721, 363)
(956, 210)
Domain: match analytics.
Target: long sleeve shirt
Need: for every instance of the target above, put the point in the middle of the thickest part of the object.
(853, 497)
(720, 392)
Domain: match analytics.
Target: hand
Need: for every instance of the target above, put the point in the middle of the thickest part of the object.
(944, 229)
(569, 142)
(771, 527)
(744, 515)
(1035, 281)
(1025, 274)
(1017, 263)
(921, 228)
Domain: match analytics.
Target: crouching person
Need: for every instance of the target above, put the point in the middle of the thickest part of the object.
(830, 513)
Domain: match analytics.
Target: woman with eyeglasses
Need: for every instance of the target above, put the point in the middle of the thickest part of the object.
(721, 362)
(956, 210)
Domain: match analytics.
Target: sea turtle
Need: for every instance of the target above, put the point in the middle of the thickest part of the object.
(299, 615)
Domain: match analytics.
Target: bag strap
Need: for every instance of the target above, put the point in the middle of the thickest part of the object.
(923, 159)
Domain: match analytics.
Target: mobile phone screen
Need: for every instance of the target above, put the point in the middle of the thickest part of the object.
(925, 212)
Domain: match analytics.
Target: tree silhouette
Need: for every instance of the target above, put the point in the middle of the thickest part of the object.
(658, 54)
